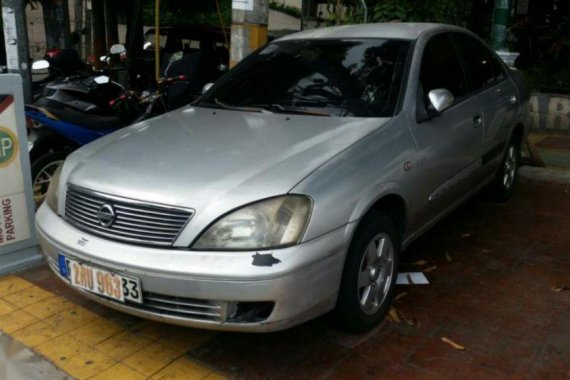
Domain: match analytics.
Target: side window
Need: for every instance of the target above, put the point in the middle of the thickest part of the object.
(498, 68)
(478, 61)
(441, 67)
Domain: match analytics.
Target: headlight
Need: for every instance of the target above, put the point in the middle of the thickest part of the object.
(271, 223)
(52, 196)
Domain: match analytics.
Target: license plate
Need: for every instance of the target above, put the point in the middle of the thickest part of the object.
(100, 281)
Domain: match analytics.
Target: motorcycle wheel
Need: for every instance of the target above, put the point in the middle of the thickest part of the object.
(43, 169)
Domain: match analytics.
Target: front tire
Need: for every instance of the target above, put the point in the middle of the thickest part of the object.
(369, 275)
(43, 169)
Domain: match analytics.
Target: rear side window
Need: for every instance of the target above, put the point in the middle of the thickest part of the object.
(441, 67)
(480, 64)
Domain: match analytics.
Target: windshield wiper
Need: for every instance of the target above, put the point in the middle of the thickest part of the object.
(219, 104)
(278, 108)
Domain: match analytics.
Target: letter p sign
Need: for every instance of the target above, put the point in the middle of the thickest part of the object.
(8, 146)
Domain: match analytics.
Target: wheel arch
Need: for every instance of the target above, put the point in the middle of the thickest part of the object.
(393, 205)
(48, 141)
(518, 133)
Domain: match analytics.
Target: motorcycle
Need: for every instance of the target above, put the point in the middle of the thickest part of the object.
(57, 64)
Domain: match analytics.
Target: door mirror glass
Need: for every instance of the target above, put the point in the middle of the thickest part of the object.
(117, 49)
(206, 87)
(176, 56)
(101, 79)
(440, 99)
(40, 65)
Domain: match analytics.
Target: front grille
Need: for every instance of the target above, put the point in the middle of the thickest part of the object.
(183, 307)
(134, 221)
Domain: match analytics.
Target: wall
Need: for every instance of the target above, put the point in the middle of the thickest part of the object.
(549, 113)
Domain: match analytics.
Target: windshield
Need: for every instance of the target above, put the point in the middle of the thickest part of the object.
(359, 78)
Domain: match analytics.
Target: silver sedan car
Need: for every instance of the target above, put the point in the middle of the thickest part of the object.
(291, 186)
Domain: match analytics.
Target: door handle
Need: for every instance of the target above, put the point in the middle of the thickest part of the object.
(477, 120)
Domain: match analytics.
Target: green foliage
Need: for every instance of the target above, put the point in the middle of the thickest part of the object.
(195, 12)
(455, 12)
(287, 9)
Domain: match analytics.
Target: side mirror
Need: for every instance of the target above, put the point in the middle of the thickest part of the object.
(177, 56)
(440, 99)
(117, 49)
(206, 87)
(101, 79)
(40, 65)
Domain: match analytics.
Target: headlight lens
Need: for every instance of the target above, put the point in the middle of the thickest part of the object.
(271, 223)
(52, 196)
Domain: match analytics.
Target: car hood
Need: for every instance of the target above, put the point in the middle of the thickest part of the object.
(213, 160)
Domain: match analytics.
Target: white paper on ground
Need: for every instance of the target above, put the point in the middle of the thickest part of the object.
(412, 278)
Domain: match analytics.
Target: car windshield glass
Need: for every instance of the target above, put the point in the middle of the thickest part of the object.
(359, 78)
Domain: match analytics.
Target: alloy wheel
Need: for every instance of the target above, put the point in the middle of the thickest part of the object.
(42, 180)
(376, 271)
(510, 168)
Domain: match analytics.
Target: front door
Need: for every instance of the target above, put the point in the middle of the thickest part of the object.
(449, 145)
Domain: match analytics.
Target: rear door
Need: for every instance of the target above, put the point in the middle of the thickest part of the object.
(489, 82)
(449, 145)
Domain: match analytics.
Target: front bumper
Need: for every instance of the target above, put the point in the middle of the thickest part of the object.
(303, 285)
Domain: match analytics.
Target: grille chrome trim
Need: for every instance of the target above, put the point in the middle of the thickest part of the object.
(183, 307)
(136, 222)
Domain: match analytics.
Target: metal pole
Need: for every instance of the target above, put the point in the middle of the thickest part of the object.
(111, 24)
(500, 25)
(98, 25)
(365, 10)
(249, 27)
(157, 40)
(16, 42)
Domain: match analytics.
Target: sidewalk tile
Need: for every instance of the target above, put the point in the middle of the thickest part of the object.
(123, 344)
(71, 319)
(48, 307)
(151, 358)
(87, 364)
(119, 372)
(95, 332)
(11, 284)
(61, 349)
(28, 296)
(184, 369)
(6, 308)
(35, 334)
(16, 320)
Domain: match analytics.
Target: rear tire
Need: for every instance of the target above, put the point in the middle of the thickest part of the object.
(502, 187)
(369, 275)
(42, 171)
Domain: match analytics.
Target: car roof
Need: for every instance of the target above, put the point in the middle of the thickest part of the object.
(392, 30)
